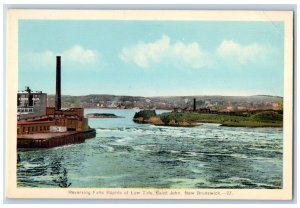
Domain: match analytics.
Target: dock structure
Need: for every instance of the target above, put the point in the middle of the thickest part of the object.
(57, 127)
(48, 140)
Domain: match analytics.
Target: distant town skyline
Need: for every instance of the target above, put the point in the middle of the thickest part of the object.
(153, 58)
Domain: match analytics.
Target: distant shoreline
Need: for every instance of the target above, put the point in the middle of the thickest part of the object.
(168, 96)
(214, 103)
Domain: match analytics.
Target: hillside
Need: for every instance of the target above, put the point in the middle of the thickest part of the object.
(259, 102)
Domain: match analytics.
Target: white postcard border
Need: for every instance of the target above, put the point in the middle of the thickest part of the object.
(12, 191)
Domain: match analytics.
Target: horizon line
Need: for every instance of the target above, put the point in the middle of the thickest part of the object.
(210, 95)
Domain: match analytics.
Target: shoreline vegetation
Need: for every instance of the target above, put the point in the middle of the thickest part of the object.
(266, 118)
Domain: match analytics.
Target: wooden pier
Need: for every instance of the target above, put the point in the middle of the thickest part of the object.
(48, 140)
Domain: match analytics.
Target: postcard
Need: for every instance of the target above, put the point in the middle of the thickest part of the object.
(142, 104)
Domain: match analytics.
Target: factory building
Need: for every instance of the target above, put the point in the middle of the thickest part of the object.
(36, 117)
(72, 118)
(31, 103)
(29, 127)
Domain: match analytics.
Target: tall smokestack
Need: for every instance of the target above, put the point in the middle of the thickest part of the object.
(194, 107)
(58, 84)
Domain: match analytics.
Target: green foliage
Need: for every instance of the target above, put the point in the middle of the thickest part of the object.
(267, 116)
(145, 114)
(261, 119)
(247, 119)
(167, 117)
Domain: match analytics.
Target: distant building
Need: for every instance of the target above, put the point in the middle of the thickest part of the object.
(242, 108)
(276, 106)
(229, 108)
(31, 103)
(204, 110)
(177, 110)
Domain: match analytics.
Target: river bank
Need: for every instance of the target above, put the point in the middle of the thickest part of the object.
(190, 119)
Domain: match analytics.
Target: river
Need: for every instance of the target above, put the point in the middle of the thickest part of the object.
(125, 155)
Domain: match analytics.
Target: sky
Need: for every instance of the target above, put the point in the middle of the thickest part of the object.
(153, 58)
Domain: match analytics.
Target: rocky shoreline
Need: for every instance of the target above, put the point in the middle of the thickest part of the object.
(102, 115)
(150, 117)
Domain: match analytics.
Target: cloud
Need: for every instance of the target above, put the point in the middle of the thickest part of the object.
(232, 51)
(162, 50)
(74, 55)
(41, 58)
(78, 54)
(180, 54)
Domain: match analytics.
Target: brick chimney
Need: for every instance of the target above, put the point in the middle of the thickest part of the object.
(58, 84)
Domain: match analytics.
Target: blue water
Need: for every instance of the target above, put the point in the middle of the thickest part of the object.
(126, 154)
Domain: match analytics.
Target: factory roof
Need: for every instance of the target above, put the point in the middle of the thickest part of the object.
(32, 92)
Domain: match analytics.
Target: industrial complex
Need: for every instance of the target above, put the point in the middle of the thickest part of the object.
(40, 126)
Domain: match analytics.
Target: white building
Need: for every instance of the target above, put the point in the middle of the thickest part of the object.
(31, 103)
